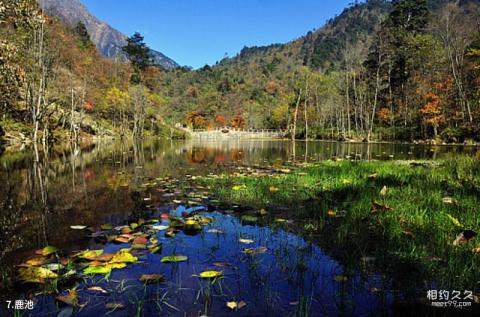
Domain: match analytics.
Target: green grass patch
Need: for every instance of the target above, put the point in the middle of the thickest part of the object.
(425, 206)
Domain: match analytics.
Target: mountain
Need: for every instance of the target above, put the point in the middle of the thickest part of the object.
(108, 40)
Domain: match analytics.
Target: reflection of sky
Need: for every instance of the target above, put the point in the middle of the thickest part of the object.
(292, 270)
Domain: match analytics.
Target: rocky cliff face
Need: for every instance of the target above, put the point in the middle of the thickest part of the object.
(108, 40)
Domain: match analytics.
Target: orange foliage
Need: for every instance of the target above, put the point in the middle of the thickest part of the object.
(220, 120)
(237, 121)
(432, 110)
(196, 120)
(88, 106)
(385, 115)
(271, 87)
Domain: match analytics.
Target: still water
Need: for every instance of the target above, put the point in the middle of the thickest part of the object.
(106, 182)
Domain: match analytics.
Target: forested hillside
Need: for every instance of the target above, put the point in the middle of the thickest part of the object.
(402, 70)
(56, 85)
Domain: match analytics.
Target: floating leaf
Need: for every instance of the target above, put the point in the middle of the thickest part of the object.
(134, 225)
(105, 257)
(70, 299)
(159, 227)
(152, 278)
(106, 226)
(155, 248)
(236, 305)
(217, 231)
(36, 261)
(78, 227)
(35, 274)
(211, 274)
(97, 289)
(53, 266)
(246, 241)
(454, 220)
(123, 257)
(222, 264)
(174, 258)
(280, 220)
(248, 218)
(90, 254)
(140, 240)
(47, 251)
(259, 250)
(97, 270)
(262, 212)
(171, 233)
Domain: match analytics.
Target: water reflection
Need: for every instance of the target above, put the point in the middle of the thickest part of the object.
(44, 193)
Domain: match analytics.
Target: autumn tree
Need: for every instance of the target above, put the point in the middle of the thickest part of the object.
(138, 54)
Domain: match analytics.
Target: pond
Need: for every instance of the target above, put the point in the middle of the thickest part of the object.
(265, 268)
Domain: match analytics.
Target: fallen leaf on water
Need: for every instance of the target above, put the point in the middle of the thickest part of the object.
(248, 218)
(47, 251)
(464, 236)
(97, 270)
(35, 274)
(97, 289)
(123, 257)
(152, 278)
(236, 305)
(106, 226)
(155, 248)
(174, 258)
(159, 227)
(36, 261)
(90, 254)
(384, 190)
(262, 212)
(120, 239)
(105, 257)
(259, 250)
(70, 299)
(294, 303)
(78, 227)
(140, 240)
(171, 233)
(216, 231)
(222, 264)
(53, 266)
(245, 241)
(211, 274)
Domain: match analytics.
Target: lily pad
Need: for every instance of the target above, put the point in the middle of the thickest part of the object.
(174, 258)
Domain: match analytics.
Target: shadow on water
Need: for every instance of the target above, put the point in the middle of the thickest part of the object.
(43, 194)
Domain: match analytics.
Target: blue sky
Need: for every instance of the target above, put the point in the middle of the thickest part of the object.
(199, 32)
